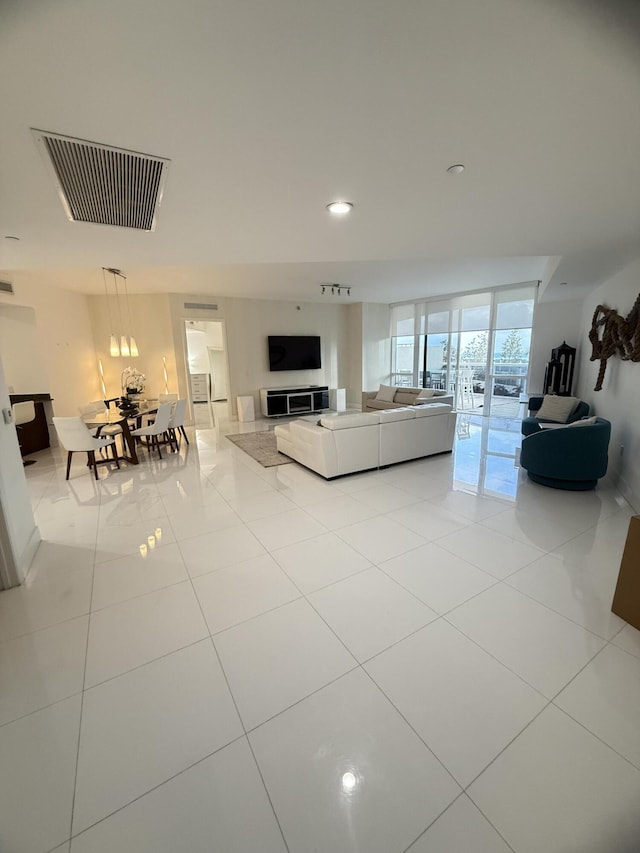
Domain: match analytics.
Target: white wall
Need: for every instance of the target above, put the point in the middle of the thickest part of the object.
(619, 399)
(355, 342)
(554, 323)
(376, 345)
(248, 323)
(19, 335)
(352, 370)
(65, 340)
(15, 503)
(152, 327)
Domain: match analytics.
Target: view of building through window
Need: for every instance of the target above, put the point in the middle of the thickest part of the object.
(476, 346)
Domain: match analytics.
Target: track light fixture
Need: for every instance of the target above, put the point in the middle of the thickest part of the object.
(336, 289)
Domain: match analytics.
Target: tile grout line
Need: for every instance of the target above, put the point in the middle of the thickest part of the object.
(154, 788)
(305, 595)
(302, 699)
(595, 735)
(552, 609)
(45, 628)
(461, 795)
(360, 666)
(235, 704)
(486, 651)
(84, 678)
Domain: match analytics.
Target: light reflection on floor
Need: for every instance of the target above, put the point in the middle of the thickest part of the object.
(486, 453)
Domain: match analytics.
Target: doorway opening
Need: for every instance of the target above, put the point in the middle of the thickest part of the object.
(207, 369)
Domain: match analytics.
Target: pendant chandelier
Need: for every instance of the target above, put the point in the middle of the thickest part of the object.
(126, 347)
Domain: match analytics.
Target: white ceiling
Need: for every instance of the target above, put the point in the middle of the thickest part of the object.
(269, 110)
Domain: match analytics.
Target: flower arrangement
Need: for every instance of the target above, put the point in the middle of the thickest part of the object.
(133, 381)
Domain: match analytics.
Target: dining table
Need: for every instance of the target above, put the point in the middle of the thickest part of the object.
(116, 417)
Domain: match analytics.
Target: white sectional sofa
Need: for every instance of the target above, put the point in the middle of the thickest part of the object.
(404, 397)
(336, 445)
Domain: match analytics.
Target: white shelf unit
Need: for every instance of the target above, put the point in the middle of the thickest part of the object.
(200, 387)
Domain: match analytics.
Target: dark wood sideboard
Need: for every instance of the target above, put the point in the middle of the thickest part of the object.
(34, 435)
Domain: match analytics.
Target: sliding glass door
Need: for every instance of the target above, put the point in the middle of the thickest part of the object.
(510, 348)
(475, 346)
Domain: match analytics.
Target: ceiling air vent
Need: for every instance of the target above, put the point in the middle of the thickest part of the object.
(104, 185)
(201, 306)
(6, 287)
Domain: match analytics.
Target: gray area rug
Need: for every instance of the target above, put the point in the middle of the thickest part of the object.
(260, 446)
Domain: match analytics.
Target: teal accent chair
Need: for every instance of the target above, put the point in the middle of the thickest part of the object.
(531, 424)
(572, 458)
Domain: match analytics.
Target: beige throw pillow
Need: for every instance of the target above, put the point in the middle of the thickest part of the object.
(386, 393)
(557, 409)
(425, 394)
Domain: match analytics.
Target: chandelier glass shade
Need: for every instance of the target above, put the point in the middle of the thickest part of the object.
(127, 346)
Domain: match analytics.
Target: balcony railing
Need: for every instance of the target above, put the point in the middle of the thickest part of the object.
(404, 379)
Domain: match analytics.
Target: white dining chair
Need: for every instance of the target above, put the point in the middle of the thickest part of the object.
(160, 426)
(176, 421)
(96, 408)
(75, 437)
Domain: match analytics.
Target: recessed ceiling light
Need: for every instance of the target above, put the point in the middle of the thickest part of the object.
(455, 169)
(340, 208)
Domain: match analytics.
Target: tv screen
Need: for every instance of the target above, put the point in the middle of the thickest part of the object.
(291, 352)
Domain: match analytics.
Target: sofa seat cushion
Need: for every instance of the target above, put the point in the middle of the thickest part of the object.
(380, 404)
(428, 410)
(359, 419)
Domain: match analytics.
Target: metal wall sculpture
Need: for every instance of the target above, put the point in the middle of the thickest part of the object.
(620, 336)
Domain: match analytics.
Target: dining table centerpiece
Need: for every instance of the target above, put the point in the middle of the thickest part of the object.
(132, 382)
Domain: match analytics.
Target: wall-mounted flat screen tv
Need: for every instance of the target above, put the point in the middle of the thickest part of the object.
(292, 352)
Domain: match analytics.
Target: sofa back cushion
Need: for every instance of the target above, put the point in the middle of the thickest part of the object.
(426, 394)
(359, 419)
(404, 397)
(557, 409)
(428, 410)
(386, 393)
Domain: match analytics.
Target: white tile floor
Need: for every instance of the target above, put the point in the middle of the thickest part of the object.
(209, 655)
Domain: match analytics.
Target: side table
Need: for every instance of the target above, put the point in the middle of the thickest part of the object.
(338, 399)
(246, 409)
